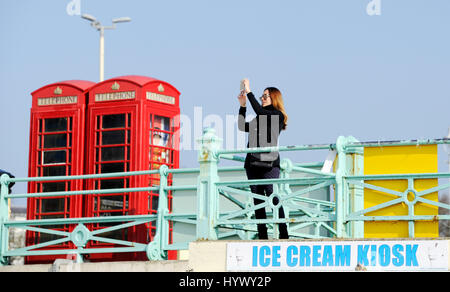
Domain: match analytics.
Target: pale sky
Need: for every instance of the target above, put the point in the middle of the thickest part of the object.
(341, 71)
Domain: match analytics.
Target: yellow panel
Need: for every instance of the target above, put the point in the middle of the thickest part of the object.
(400, 160)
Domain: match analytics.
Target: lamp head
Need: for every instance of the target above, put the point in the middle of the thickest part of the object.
(89, 17)
(121, 19)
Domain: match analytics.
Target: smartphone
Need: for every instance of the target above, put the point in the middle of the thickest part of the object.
(242, 85)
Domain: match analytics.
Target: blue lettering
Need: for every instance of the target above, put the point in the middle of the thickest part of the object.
(290, 252)
(327, 256)
(255, 256)
(305, 259)
(373, 255)
(264, 256)
(316, 255)
(398, 259)
(384, 253)
(343, 255)
(276, 256)
(411, 257)
(362, 255)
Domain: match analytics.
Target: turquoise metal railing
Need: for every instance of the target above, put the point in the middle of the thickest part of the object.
(341, 216)
(300, 211)
(399, 197)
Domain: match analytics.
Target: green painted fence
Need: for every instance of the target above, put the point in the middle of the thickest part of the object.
(214, 203)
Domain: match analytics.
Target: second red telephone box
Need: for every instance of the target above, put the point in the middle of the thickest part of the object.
(132, 126)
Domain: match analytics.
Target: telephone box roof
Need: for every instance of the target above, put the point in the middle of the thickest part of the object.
(82, 85)
(139, 80)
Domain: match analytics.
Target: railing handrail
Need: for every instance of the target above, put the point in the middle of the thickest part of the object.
(333, 146)
(277, 148)
(414, 142)
(97, 175)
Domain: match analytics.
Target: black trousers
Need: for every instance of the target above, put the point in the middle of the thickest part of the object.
(266, 190)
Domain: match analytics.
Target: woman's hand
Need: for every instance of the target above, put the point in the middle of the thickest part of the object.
(242, 98)
(246, 85)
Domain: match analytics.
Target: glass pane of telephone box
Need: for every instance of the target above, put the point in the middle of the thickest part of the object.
(120, 234)
(160, 122)
(113, 137)
(111, 203)
(55, 141)
(54, 187)
(158, 137)
(112, 184)
(56, 125)
(112, 167)
(59, 170)
(113, 121)
(113, 153)
(154, 201)
(55, 156)
(53, 205)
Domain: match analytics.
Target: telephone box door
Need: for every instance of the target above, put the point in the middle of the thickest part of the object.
(111, 150)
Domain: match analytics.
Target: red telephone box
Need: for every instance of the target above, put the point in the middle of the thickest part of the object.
(131, 126)
(56, 149)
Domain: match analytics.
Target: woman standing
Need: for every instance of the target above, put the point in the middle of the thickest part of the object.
(264, 130)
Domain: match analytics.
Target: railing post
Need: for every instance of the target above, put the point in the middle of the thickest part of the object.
(284, 188)
(4, 214)
(341, 187)
(207, 195)
(155, 249)
(348, 198)
(355, 166)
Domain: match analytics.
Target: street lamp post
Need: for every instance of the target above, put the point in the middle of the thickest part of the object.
(98, 26)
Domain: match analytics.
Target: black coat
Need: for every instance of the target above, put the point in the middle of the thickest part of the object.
(263, 130)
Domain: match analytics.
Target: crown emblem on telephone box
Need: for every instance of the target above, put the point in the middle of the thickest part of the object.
(115, 86)
(57, 91)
